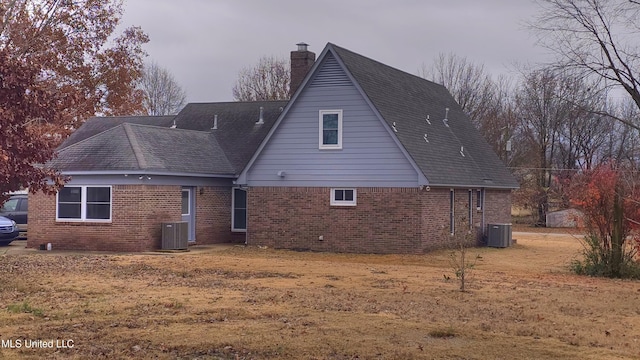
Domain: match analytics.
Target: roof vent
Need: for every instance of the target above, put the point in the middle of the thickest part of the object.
(215, 122)
(446, 117)
(393, 126)
(261, 119)
(425, 137)
(428, 122)
(302, 46)
(174, 124)
(462, 151)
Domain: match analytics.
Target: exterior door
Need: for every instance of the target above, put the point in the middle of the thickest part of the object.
(189, 211)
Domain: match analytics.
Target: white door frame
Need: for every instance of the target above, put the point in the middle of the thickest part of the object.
(190, 216)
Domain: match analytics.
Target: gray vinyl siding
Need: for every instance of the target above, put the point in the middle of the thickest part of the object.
(369, 157)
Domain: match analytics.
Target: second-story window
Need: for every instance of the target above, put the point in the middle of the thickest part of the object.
(330, 136)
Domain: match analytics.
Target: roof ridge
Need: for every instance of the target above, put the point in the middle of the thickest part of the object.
(129, 116)
(340, 48)
(237, 102)
(89, 138)
(137, 151)
(166, 128)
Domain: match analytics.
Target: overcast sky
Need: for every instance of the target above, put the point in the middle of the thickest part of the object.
(205, 43)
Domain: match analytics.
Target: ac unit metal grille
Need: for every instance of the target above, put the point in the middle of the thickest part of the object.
(499, 235)
(175, 236)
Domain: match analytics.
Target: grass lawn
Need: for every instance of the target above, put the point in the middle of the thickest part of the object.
(250, 303)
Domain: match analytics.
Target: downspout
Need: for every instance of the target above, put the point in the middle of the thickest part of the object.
(246, 231)
(484, 227)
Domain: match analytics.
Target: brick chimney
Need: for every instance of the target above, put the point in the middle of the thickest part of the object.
(301, 62)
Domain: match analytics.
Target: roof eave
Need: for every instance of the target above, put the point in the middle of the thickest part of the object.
(148, 172)
(476, 186)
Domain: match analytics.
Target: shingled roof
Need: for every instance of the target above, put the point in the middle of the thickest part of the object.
(239, 134)
(98, 124)
(455, 154)
(142, 148)
(102, 142)
(443, 144)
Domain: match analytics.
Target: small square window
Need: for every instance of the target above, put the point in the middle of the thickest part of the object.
(330, 136)
(343, 197)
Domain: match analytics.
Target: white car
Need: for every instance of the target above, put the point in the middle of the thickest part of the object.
(8, 230)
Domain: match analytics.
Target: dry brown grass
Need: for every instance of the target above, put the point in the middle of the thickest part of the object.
(249, 303)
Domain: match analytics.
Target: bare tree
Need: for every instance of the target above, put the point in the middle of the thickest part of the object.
(622, 143)
(596, 38)
(269, 79)
(500, 125)
(469, 84)
(542, 111)
(582, 134)
(162, 94)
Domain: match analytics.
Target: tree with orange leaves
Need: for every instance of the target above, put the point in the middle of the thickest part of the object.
(609, 197)
(59, 65)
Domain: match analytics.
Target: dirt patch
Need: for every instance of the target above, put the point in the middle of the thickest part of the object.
(250, 303)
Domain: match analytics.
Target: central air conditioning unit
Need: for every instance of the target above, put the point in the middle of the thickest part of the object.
(499, 235)
(175, 235)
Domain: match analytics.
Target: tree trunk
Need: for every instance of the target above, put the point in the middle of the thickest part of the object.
(617, 235)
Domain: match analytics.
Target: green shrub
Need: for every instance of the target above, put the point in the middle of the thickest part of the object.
(602, 261)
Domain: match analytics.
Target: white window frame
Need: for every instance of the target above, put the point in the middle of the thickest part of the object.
(470, 209)
(83, 205)
(452, 211)
(188, 191)
(335, 202)
(321, 145)
(233, 210)
(479, 199)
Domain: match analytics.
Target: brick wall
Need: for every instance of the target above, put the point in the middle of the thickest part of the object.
(294, 218)
(497, 206)
(213, 215)
(385, 220)
(137, 214)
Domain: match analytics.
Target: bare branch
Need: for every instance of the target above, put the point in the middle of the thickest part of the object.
(162, 94)
(268, 80)
(591, 36)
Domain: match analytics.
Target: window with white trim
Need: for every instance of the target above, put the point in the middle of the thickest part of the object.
(470, 209)
(239, 210)
(84, 203)
(343, 197)
(186, 206)
(452, 201)
(330, 134)
(479, 199)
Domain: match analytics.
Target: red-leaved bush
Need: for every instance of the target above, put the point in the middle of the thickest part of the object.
(609, 197)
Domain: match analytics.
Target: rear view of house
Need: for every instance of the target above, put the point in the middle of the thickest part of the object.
(363, 158)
